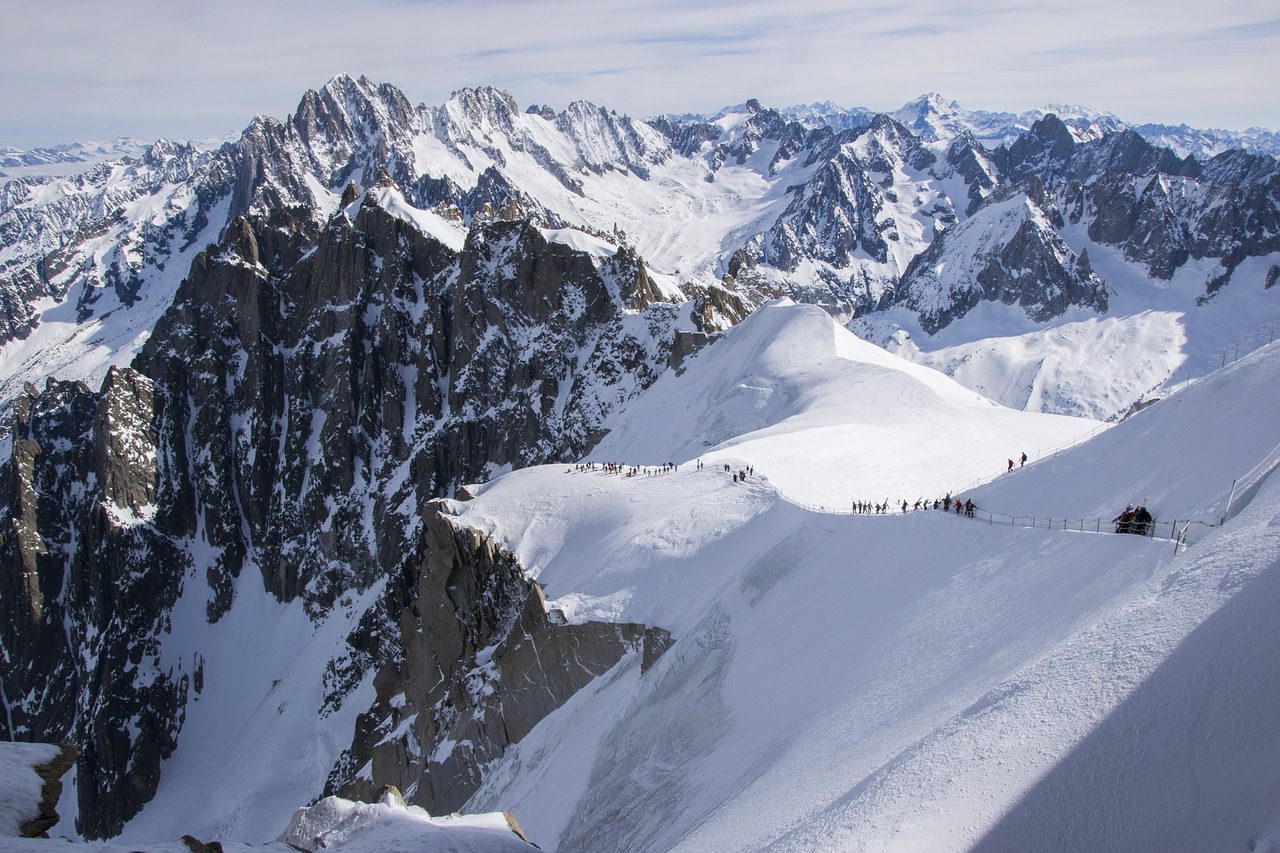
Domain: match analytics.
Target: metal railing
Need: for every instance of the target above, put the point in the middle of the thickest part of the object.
(1175, 530)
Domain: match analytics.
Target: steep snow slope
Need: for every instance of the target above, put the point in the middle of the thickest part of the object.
(918, 681)
(829, 418)
(1169, 457)
(260, 724)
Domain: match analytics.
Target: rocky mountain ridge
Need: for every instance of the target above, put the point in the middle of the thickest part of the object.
(781, 203)
(263, 366)
(309, 391)
(933, 116)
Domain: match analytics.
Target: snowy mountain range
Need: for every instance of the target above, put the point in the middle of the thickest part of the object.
(344, 454)
(931, 116)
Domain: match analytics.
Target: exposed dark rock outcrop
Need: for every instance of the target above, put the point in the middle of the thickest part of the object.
(483, 663)
(50, 773)
(1007, 252)
(308, 392)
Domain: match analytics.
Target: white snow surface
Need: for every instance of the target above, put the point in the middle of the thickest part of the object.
(581, 241)
(19, 784)
(428, 222)
(392, 827)
(826, 416)
(918, 681)
(254, 744)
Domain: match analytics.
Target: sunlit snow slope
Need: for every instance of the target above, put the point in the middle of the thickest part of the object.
(918, 681)
(826, 416)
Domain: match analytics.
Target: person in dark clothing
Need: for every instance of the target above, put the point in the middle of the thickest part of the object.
(1141, 521)
(1024, 460)
(1010, 464)
(968, 509)
(958, 506)
(1124, 521)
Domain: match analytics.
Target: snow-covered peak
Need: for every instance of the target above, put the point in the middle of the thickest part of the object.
(887, 143)
(828, 114)
(933, 118)
(352, 113)
(485, 108)
(822, 411)
(606, 140)
(429, 222)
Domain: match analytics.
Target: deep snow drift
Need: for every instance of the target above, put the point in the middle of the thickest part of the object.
(917, 681)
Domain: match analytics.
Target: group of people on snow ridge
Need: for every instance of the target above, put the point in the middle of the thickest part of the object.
(1021, 462)
(625, 470)
(944, 504)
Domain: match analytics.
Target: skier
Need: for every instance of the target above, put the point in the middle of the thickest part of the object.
(1010, 464)
(1024, 459)
(968, 509)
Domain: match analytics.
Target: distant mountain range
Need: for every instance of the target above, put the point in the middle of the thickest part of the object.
(933, 117)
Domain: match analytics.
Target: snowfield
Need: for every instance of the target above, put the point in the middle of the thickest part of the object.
(826, 416)
(917, 681)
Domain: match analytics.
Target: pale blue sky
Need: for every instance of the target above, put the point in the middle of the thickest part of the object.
(82, 69)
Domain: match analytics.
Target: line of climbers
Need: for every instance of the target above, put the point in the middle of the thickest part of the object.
(739, 476)
(1137, 520)
(944, 504)
(625, 470)
(1022, 462)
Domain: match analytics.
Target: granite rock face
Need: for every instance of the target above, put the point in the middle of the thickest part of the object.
(86, 582)
(483, 663)
(311, 389)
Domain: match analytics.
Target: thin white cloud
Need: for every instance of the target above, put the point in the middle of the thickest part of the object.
(72, 69)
